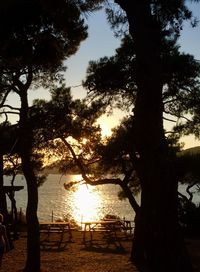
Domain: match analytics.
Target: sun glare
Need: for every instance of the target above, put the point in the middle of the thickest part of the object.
(86, 203)
(105, 130)
(107, 123)
(84, 141)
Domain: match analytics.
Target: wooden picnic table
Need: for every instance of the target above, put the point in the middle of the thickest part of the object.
(108, 227)
(52, 234)
(127, 226)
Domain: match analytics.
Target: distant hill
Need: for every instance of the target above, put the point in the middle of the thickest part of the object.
(55, 170)
(192, 150)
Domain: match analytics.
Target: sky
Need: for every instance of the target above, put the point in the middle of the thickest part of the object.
(101, 42)
(190, 37)
(190, 43)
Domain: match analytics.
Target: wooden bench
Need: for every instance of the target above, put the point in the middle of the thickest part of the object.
(53, 235)
(108, 229)
(127, 226)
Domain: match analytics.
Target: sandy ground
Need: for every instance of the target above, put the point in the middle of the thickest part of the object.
(75, 257)
(79, 257)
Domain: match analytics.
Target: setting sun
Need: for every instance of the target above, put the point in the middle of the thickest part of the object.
(107, 123)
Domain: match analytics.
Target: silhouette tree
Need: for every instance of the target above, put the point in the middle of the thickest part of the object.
(181, 85)
(188, 171)
(7, 140)
(161, 243)
(36, 37)
(64, 118)
(148, 24)
(113, 80)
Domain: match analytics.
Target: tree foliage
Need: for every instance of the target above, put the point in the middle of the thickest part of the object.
(36, 37)
(63, 119)
(156, 230)
(114, 79)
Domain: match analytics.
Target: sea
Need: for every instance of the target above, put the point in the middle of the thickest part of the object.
(81, 203)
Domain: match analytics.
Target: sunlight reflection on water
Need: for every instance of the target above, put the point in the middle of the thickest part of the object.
(83, 204)
(86, 203)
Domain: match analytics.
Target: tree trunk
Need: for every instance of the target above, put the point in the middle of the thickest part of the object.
(3, 205)
(33, 236)
(158, 242)
(33, 239)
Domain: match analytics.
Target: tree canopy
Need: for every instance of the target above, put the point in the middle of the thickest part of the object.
(36, 37)
(114, 79)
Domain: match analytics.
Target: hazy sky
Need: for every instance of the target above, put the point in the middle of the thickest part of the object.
(190, 43)
(190, 37)
(101, 42)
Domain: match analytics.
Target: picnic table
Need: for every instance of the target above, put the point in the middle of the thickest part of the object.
(112, 229)
(127, 226)
(53, 234)
(108, 228)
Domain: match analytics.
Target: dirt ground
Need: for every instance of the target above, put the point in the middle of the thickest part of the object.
(75, 257)
(78, 257)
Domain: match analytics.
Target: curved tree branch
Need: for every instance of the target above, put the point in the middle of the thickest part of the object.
(117, 181)
(10, 107)
(4, 98)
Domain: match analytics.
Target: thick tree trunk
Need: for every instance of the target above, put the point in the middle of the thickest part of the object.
(3, 205)
(33, 240)
(33, 236)
(158, 244)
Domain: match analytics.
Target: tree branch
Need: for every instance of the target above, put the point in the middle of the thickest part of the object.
(117, 181)
(4, 98)
(10, 107)
(167, 119)
(29, 77)
(9, 112)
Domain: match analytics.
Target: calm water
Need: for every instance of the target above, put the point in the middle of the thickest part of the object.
(85, 203)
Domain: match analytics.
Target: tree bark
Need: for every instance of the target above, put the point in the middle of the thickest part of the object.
(33, 236)
(3, 205)
(3, 202)
(158, 245)
(33, 239)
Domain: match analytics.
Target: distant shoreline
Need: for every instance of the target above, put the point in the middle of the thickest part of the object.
(56, 171)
